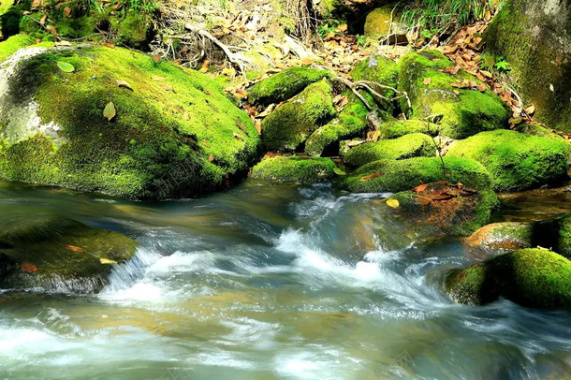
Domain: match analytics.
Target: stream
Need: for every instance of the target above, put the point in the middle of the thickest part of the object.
(272, 282)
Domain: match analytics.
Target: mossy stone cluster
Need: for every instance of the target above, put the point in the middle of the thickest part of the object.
(534, 278)
(175, 132)
(408, 146)
(516, 161)
(295, 169)
(462, 112)
(60, 250)
(293, 122)
(395, 176)
(284, 85)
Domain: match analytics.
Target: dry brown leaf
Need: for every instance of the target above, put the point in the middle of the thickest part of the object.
(427, 81)
(124, 84)
(166, 87)
(258, 125)
(158, 78)
(29, 267)
(237, 136)
(420, 188)
(204, 67)
(157, 58)
(205, 143)
(370, 176)
(530, 110)
(74, 248)
(210, 158)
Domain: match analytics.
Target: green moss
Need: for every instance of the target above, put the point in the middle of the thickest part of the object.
(516, 161)
(292, 123)
(161, 143)
(408, 146)
(529, 277)
(134, 30)
(536, 45)
(350, 122)
(295, 169)
(75, 28)
(13, 44)
(394, 176)
(463, 114)
(5, 6)
(393, 128)
(59, 247)
(381, 70)
(10, 22)
(378, 23)
(284, 85)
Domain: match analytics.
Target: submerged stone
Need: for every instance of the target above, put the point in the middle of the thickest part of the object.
(462, 112)
(295, 169)
(61, 255)
(516, 161)
(174, 132)
(534, 278)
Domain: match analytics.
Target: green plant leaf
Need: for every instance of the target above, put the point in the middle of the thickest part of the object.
(339, 171)
(109, 111)
(65, 67)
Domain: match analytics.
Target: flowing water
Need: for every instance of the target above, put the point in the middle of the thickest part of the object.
(269, 282)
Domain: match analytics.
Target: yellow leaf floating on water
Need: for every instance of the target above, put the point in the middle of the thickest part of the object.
(109, 111)
(107, 261)
(391, 202)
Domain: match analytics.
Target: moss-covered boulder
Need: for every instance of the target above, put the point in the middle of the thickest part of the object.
(350, 122)
(509, 236)
(379, 69)
(295, 169)
(402, 175)
(383, 24)
(408, 146)
(393, 128)
(462, 112)
(534, 37)
(292, 123)
(284, 85)
(516, 161)
(529, 277)
(444, 208)
(166, 131)
(60, 254)
(135, 30)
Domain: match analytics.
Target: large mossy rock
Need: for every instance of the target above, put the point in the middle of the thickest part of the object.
(535, 38)
(384, 22)
(379, 69)
(402, 175)
(517, 161)
(530, 277)
(60, 254)
(463, 112)
(284, 85)
(175, 132)
(292, 123)
(295, 169)
(408, 146)
(350, 122)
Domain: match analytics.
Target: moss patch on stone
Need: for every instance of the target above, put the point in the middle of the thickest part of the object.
(395, 176)
(516, 161)
(408, 146)
(509, 236)
(292, 123)
(295, 169)
(463, 113)
(350, 122)
(174, 134)
(394, 128)
(530, 277)
(60, 249)
(381, 70)
(284, 85)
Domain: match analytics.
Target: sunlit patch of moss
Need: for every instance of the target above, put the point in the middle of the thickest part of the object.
(517, 161)
(292, 123)
(394, 176)
(295, 169)
(393, 128)
(463, 112)
(408, 146)
(284, 85)
(17, 42)
(134, 30)
(171, 116)
(529, 277)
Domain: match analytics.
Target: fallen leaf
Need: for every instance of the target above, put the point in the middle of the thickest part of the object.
(370, 176)
(103, 260)
(237, 136)
(427, 81)
(530, 110)
(204, 67)
(211, 158)
(65, 67)
(423, 200)
(29, 267)
(166, 87)
(338, 171)
(109, 112)
(67, 12)
(241, 94)
(158, 78)
(482, 88)
(124, 84)
(241, 127)
(420, 188)
(43, 19)
(258, 125)
(157, 58)
(205, 143)
(394, 203)
(74, 248)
